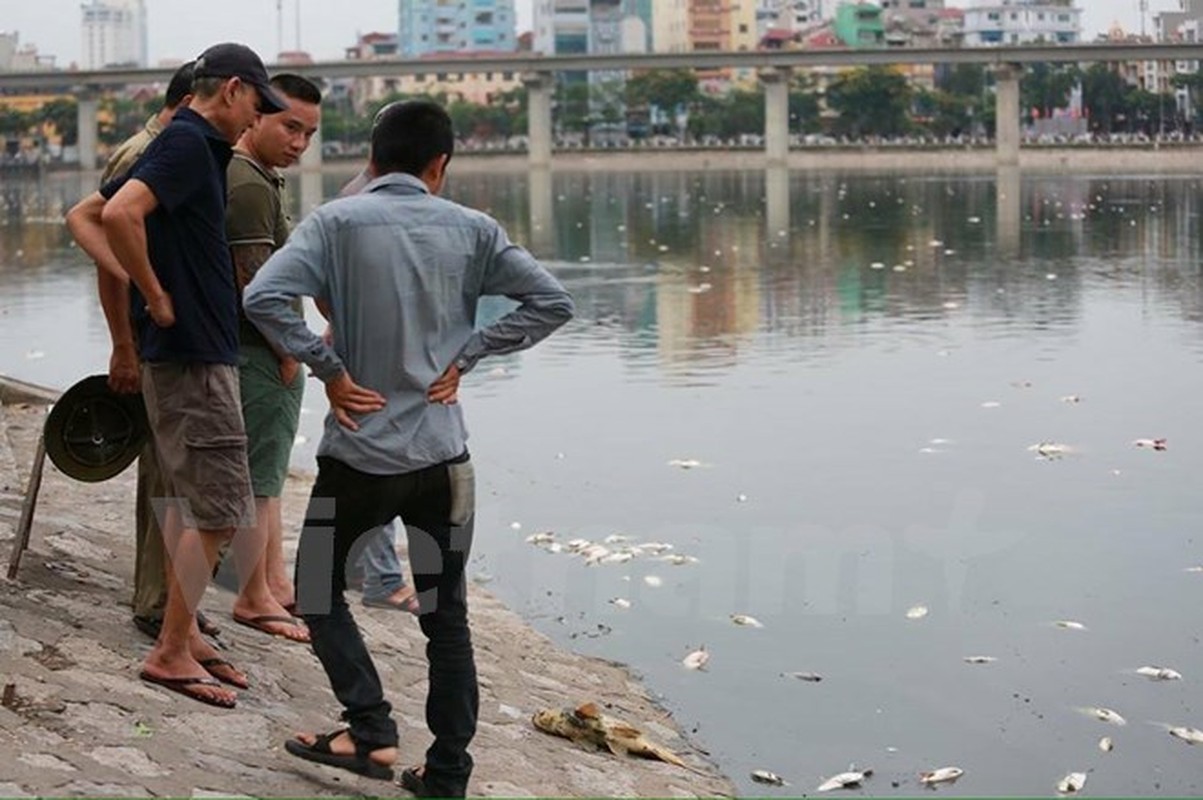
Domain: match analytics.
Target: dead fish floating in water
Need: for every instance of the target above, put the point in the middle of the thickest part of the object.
(1071, 783)
(845, 780)
(1050, 451)
(678, 560)
(686, 463)
(1069, 625)
(543, 537)
(941, 775)
(747, 621)
(1106, 745)
(1152, 444)
(809, 677)
(1191, 736)
(588, 727)
(916, 612)
(979, 659)
(766, 777)
(698, 659)
(1104, 715)
(1159, 673)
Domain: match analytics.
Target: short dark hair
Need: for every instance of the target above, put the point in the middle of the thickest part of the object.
(180, 85)
(408, 135)
(297, 87)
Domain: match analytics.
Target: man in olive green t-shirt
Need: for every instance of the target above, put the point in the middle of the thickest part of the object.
(271, 384)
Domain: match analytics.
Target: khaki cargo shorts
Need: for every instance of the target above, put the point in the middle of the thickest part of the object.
(196, 415)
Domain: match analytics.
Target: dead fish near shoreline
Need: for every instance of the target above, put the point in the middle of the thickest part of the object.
(587, 726)
(1050, 451)
(1071, 783)
(698, 659)
(845, 780)
(1159, 673)
(746, 620)
(769, 778)
(941, 775)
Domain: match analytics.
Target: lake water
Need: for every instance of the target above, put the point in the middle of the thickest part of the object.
(861, 364)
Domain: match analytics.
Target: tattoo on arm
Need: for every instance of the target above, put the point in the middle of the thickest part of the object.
(248, 258)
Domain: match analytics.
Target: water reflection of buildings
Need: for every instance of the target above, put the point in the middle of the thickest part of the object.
(686, 265)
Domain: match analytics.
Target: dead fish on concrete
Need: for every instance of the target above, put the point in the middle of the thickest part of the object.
(845, 780)
(744, 619)
(698, 659)
(1159, 673)
(588, 727)
(1104, 715)
(1071, 783)
(941, 775)
(770, 778)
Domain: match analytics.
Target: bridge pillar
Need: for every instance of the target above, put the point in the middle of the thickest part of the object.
(539, 86)
(776, 113)
(1006, 116)
(87, 110)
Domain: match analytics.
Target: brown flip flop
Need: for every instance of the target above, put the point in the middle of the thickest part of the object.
(259, 623)
(211, 664)
(181, 686)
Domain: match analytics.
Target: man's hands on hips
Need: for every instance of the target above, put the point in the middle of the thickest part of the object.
(445, 390)
(347, 397)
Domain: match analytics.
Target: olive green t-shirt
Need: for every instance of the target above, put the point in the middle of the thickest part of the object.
(255, 214)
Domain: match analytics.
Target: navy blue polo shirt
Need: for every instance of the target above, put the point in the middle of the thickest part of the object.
(185, 168)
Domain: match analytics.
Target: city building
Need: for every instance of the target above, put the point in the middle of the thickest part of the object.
(859, 25)
(17, 57)
(114, 34)
(1010, 22)
(371, 47)
(786, 16)
(456, 26)
(1183, 25)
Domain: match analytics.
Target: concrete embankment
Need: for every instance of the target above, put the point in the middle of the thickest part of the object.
(75, 719)
(1181, 159)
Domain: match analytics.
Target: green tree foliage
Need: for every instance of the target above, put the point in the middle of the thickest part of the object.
(571, 111)
(665, 88)
(14, 122)
(729, 116)
(804, 105)
(1192, 82)
(871, 101)
(1045, 87)
(63, 113)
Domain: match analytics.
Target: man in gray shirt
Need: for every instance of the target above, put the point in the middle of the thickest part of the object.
(399, 271)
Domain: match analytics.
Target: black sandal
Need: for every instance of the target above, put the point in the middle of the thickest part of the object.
(319, 752)
(414, 783)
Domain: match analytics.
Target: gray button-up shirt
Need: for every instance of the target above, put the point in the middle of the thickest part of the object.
(401, 272)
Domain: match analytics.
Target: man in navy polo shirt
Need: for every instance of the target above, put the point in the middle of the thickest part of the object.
(162, 228)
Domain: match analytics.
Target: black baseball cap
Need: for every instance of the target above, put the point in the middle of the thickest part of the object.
(232, 60)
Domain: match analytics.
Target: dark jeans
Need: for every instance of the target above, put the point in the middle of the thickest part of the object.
(344, 504)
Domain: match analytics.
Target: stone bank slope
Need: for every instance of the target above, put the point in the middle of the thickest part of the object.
(77, 721)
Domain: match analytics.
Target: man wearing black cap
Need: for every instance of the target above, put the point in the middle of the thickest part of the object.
(162, 226)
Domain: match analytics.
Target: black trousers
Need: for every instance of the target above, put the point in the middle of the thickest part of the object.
(344, 504)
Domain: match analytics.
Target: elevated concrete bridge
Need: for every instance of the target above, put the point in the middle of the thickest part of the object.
(773, 67)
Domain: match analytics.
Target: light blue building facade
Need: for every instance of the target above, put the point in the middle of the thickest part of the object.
(455, 26)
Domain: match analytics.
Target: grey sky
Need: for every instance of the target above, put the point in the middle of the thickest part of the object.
(180, 29)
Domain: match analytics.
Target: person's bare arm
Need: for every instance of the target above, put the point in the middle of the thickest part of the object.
(84, 222)
(248, 258)
(124, 220)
